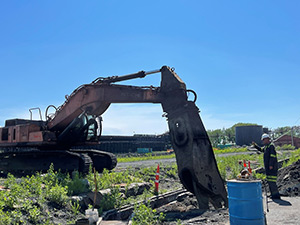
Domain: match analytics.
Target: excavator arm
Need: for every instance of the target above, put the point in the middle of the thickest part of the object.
(197, 166)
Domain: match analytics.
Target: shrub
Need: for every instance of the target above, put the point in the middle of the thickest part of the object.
(77, 185)
(58, 195)
(111, 201)
(5, 218)
(144, 214)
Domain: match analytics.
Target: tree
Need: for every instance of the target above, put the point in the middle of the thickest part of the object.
(225, 136)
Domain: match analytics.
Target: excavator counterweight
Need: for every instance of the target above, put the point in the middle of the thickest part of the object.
(28, 145)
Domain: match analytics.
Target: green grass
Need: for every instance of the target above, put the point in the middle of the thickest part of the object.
(26, 199)
(147, 156)
(229, 167)
(230, 150)
(294, 157)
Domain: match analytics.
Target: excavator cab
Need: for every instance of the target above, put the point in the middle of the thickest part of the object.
(82, 129)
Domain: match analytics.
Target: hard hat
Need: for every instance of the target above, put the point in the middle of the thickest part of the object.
(264, 136)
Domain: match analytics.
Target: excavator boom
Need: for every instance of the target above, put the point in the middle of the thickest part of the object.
(197, 166)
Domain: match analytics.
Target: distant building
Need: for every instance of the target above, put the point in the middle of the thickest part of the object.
(124, 144)
(287, 140)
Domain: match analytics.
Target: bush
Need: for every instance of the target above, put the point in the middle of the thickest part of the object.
(58, 195)
(146, 215)
(77, 185)
(111, 201)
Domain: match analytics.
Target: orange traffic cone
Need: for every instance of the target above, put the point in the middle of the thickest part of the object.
(157, 179)
(249, 168)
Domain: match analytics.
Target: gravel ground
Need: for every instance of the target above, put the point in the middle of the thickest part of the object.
(284, 211)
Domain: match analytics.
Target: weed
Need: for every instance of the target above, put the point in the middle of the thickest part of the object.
(148, 156)
(295, 156)
(259, 176)
(178, 222)
(58, 195)
(75, 207)
(77, 185)
(230, 150)
(144, 214)
(109, 178)
(285, 147)
(5, 218)
(34, 214)
(111, 201)
(172, 171)
(229, 167)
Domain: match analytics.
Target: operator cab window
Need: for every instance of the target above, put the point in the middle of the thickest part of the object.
(4, 134)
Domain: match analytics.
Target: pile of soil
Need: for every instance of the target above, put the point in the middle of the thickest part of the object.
(185, 209)
(288, 181)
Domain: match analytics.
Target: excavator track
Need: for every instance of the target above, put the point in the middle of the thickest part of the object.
(23, 162)
(27, 161)
(101, 160)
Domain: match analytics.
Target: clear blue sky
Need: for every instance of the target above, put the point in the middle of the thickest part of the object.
(241, 57)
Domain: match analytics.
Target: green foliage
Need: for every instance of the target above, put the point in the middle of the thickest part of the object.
(178, 222)
(75, 207)
(171, 170)
(229, 167)
(108, 178)
(111, 201)
(58, 195)
(34, 214)
(284, 130)
(77, 184)
(23, 202)
(230, 150)
(51, 178)
(144, 214)
(285, 147)
(147, 173)
(5, 218)
(224, 136)
(295, 156)
(147, 156)
(259, 176)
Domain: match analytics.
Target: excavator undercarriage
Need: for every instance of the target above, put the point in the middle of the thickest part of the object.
(29, 145)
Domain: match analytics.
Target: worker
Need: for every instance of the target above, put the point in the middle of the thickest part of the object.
(270, 163)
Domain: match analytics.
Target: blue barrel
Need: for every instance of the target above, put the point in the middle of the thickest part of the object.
(245, 202)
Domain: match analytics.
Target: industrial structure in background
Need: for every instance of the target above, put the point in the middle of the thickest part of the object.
(287, 140)
(244, 135)
(127, 144)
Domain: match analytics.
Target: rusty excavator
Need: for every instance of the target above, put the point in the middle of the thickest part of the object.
(32, 145)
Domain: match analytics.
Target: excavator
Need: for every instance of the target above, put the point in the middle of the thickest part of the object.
(28, 145)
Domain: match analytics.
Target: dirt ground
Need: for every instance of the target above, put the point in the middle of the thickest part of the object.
(185, 211)
(289, 180)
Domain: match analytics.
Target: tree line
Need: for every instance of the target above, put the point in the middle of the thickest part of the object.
(227, 136)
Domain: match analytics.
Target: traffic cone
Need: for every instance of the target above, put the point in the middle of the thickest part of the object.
(249, 168)
(157, 180)
(245, 166)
